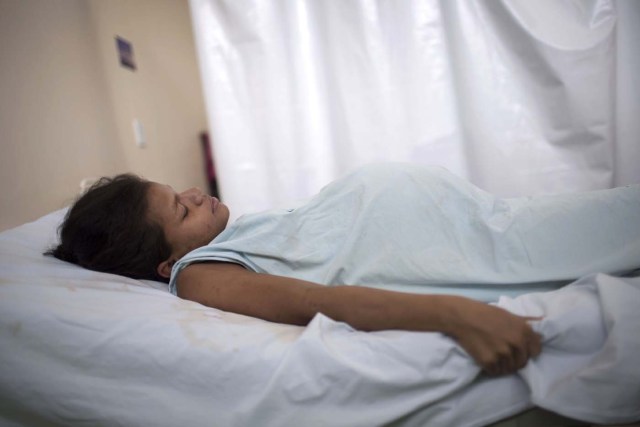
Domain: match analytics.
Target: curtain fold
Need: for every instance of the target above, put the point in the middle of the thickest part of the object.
(520, 97)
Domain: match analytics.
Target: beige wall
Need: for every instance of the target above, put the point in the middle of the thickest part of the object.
(66, 105)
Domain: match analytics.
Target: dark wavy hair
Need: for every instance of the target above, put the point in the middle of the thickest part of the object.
(108, 229)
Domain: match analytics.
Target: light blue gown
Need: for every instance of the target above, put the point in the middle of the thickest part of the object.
(420, 229)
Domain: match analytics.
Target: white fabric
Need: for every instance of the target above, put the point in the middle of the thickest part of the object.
(84, 348)
(580, 373)
(519, 97)
(413, 228)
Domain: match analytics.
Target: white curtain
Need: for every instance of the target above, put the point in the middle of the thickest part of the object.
(520, 97)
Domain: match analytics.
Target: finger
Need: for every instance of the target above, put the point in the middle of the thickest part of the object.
(520, 357)
(516, 361)
(505, 360)
(489, 364)
(535, 344)
(506, 366)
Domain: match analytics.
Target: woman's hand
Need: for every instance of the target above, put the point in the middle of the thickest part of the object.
(499, 341)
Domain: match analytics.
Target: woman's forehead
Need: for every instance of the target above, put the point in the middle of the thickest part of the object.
(162, 201)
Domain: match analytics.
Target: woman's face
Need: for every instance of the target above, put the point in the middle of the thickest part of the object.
(190, 219)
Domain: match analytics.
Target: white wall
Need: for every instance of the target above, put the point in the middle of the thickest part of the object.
(66, 105)
(164, 93)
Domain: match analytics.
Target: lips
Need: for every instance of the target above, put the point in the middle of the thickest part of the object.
(214, 204)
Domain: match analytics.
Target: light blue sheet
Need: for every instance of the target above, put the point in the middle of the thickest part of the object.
(420, 229)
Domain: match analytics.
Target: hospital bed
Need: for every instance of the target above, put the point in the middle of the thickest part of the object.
(80, 348)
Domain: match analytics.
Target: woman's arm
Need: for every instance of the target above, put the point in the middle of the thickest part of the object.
(499, 341)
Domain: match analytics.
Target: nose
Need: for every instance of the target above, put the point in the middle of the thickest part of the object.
(194, 195)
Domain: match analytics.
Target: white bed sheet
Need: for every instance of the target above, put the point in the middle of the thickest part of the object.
(86, 348)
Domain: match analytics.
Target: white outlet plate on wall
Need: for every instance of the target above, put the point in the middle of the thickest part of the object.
(138, 132)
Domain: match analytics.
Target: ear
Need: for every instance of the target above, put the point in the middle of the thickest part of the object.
(164, 268)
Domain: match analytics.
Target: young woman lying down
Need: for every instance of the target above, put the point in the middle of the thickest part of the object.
(404, 233)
